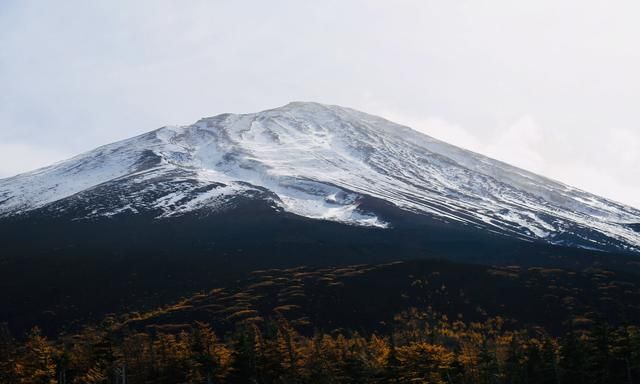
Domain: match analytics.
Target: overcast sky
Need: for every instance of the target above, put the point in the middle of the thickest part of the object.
(551, 86)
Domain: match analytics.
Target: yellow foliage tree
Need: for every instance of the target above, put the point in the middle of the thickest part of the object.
(36, 364)
(424, 362)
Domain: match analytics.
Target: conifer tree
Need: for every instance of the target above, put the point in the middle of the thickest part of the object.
(213, 358)
(574, 358)
(424, 361)
(243, 368)
(488, 368)
(513, 372)
(600, 354)
(36, 363)
(550, 361)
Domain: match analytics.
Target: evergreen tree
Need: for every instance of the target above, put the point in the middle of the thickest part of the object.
(600, 354)
(424, 361)
(550, 361)
(488, 368)
(514, 362)
(574, 358)
(243, 368)
(212, 357)
(36, 364)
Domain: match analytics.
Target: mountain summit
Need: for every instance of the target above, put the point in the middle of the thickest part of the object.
(321, 162)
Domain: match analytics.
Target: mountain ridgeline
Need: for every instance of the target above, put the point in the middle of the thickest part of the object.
(136, 223)
(321, 162)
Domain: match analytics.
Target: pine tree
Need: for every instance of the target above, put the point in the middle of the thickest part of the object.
(213, 358)
(36, 363)
(534, 363)
(354, 366)
(424, 361)
(488, 368)
(287, 351)
(514, 362)
(91, 353)
(244, 365)
(600, 356)
(322, 362)
(574, 358)
(392, 365)
(172, 360)
(378, 351)
(136, 357)
(550, 361)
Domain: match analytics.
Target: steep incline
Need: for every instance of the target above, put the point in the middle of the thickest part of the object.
(319, 161)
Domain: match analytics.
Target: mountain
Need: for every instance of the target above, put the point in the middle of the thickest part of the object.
(142, 222)
(321, 162)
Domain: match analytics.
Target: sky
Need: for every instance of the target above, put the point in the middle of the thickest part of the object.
(550, 86)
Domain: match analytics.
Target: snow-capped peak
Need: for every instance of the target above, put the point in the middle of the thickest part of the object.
(320, 161)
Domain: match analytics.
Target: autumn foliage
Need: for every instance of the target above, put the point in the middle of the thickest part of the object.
(423, 347)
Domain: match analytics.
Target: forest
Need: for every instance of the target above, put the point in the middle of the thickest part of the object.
(424, 347)
(408, 322)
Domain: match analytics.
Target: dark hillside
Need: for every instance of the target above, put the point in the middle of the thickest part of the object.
(55, 271)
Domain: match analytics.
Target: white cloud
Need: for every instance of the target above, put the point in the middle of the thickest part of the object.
(541, 150)
(519, 144)
(551, 86)
(438, 128)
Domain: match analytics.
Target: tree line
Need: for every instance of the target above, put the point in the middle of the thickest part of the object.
(420, 347)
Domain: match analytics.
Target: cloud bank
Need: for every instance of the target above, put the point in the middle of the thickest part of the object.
(548, 86)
